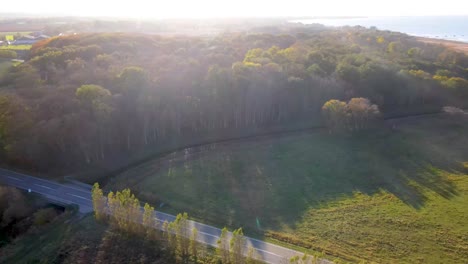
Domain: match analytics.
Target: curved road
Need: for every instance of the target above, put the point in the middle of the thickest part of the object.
(80, 194)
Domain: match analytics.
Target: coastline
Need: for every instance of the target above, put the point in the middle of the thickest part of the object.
(458, 46)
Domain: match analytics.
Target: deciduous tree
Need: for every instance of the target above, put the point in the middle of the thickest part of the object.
(194, 244)
(223, 246)
(99, 202)
(237, 245)
(335, 113)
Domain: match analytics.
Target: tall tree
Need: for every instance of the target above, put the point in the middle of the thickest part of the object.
(170, 231)
(194, 244)
(362, 112)
(95, 101)
(251, 255)
(149, 221)
(223, 246)
(125, 210)
(99, 202)
(335, 113)
(182, 230)
(237, 245)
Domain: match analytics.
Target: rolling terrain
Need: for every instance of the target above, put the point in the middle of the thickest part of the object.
(353, 197)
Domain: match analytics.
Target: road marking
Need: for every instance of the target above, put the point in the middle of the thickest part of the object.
(43, 186)
(76, 189)
(79, 196)
(15, 178)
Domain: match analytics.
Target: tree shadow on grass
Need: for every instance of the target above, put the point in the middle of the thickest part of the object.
(271, 185)
(401, 164)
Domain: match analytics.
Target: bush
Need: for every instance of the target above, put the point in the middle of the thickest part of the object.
(8, 54)
(44, 216)
(13, 205)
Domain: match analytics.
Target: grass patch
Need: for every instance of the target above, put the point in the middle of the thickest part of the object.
(16, 47)
(38, 243)
(381, 228)
(4, 65)
(385, 196)
(77, 239)
(14, 33)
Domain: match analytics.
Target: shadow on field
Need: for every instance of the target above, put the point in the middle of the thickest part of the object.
(271, 185)
(406, 164)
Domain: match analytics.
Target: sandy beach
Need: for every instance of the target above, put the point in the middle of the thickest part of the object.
(455, 45)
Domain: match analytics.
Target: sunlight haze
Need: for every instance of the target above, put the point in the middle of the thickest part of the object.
(241, 8)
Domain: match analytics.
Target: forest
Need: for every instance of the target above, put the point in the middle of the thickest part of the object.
(89, 98)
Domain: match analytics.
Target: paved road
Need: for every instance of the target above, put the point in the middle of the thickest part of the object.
(58, 193)
(80, 195)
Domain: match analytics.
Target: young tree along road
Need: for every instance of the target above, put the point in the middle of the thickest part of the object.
(79, 195)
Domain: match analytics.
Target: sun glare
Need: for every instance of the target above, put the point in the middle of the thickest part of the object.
(240, 8)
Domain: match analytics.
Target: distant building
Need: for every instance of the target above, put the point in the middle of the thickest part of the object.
(42, 36)
(24, 40)
(28, 40)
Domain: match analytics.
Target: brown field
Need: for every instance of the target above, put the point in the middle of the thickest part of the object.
(455, 45)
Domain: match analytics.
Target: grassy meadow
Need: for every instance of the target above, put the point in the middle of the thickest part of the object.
(16, 47)
(398, 194)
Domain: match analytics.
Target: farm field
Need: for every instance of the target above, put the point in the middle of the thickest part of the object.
(16, 47)
(11, 35)
(14, 33)
(392, 195)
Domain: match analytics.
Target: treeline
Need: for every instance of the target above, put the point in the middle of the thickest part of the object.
(88, 98)
(123, 211)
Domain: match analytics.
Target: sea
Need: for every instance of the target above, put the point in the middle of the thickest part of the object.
(441, 27)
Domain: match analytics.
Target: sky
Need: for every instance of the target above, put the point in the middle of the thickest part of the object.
(236, 8)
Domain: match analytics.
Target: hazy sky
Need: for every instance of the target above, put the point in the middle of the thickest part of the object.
(235, 8)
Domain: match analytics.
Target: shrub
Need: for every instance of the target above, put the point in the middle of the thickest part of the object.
(44, 216)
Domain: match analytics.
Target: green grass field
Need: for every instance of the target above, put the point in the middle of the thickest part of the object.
(10, 36)
(385, 196)
(16, 47)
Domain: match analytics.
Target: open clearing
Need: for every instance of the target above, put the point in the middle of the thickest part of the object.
(393, 195)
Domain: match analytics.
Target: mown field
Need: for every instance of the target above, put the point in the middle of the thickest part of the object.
(397, 194)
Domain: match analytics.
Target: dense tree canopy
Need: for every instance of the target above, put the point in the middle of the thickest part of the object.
(87, 98)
